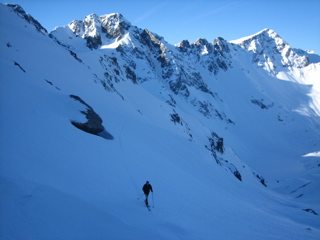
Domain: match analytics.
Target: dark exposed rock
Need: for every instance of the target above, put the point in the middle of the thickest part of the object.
(93, 42)
(151, 41)
(73, 54)
(303, 186)
(261, 104)
(171, 101)
(310, 211)
(202, 42)
(175, 118)
(237, 175)
(17, 64)
(178, 87)
(261, 179)
(222, 64)
(220, 46)
(217, 149)
(216, 142)
(183, 45)
(20, 11)
(94, 123)
(130, 74)
(114, 26)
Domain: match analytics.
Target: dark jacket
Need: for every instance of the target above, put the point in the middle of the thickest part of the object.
(147, 188)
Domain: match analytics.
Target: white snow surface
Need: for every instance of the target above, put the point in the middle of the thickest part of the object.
(58, 182)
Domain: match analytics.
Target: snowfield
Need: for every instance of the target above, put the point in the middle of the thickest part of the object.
(167, 109)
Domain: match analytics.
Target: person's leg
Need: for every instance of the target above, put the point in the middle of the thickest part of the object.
(146, 201)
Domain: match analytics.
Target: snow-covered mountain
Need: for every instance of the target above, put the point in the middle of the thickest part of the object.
(228, 133)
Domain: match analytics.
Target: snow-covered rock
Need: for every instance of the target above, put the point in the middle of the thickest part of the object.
(272, 52)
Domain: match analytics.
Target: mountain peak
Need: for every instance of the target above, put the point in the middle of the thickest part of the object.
(116, 18)
(267, 45)
(221, 44)
(98, 30)
(114, 25)
(265, 31)
(264, 36)
(201, 41)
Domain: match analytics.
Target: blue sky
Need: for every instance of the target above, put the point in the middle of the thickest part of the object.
(296, 21)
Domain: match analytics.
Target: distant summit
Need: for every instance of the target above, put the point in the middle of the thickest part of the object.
(100, 30)
(268, 49)
(272, 52)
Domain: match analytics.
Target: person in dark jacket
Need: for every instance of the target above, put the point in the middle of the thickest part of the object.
(146, 189)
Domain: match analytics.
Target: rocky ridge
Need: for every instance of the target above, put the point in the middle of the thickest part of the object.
(188, 72)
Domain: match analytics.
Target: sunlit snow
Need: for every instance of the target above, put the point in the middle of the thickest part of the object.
(58, 182)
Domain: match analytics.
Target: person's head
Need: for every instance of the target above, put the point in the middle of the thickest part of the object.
(147, 182)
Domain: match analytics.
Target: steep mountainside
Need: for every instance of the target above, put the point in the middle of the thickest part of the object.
(207, 77)
(228, 133)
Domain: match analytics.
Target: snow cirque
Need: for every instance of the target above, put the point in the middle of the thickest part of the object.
(226, 132)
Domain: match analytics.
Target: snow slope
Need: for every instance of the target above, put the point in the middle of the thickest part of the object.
(166, 116)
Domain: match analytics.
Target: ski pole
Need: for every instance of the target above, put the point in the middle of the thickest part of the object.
(152, 200)
(140, 196)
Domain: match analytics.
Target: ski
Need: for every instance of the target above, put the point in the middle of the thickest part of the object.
(148, 208)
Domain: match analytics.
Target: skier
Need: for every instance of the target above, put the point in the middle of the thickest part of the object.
(146, 189)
